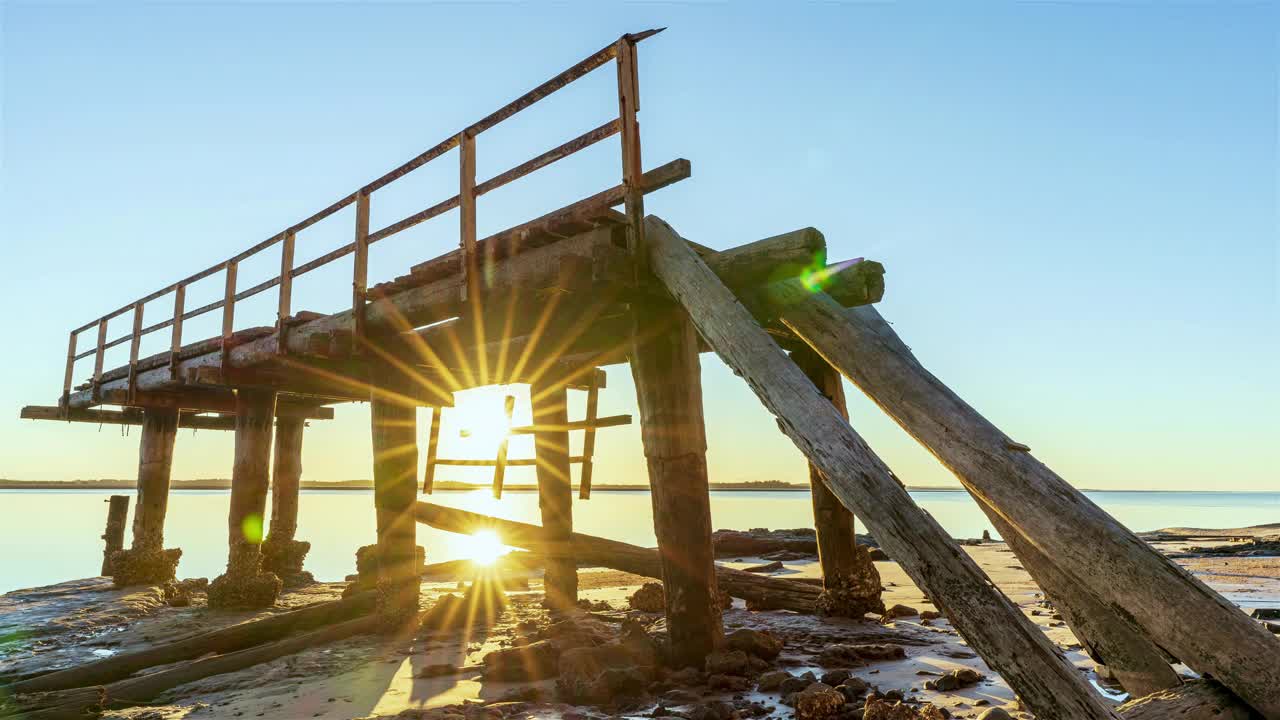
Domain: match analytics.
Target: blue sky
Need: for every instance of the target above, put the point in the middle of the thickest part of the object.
(1076, 203)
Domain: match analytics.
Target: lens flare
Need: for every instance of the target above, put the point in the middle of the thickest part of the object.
(484, 547)
(251, 527)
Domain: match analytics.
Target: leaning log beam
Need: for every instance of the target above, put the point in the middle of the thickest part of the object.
(760, 591)
(1090, 546)
(1137, 664)
(1047, 684)
(224, 640)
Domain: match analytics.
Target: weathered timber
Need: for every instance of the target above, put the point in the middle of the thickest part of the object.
(228, 639)
(283, 553)
(667, 374)
(1086, 543)
(155, 461)
(244, 584)
(1048, 685)
(1201, 699)
(555, 494)
(129, 416)
(286, 478)
(74, 704)
(113, 535)
(395, 488)
(1138, 665)
(760, 591)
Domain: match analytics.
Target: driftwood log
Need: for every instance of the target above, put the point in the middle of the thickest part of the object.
(761, 591)
(229, 639)
(75, 704)
(1088, 545)
(113, 535)
(1047, 684)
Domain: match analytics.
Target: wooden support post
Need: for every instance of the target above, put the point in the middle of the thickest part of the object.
(68, 375)
(98, 355)
(500, 466)
(117, 512)
(175, 335)
(286, 478)
(433, 445)
(285, 304)
(360, 272)
(847, 570)
(1097, 553)
(244, 585)
(283, 553)
(472, 273)
(589, 434)
(229, 309)
(667, 374)
(135, 342)
(632, 166)
(555, 494)
(395, 489)
(1047, 684)
(155, 461)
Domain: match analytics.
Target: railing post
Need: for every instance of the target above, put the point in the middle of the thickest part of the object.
(500, 467)
(589, 434)
(98, 355)
(632, 168)
(433, 444)
(286, 292)
(229, 310)
(175, 337)
(68, 374)
(471, 271)
(360, 279)
(135, 341)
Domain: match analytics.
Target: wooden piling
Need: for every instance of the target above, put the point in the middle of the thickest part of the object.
(394, 425)
(244, 584)
(155, 461)
(667, 374)
(117, 512)
(283, 554)
(286, 478)
(849, 576)
(555, 493)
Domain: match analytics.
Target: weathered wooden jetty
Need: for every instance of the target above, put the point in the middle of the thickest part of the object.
(548, 303)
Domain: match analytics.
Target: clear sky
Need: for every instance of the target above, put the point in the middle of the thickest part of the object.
(1076, 202)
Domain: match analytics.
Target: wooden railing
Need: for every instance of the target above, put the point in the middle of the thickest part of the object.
(623, 50)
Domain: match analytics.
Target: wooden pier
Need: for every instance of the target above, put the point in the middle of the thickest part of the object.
(547, 303)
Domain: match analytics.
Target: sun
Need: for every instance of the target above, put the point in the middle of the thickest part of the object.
(484, 547)
(482, 424)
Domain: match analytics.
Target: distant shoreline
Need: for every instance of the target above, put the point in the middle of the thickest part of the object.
(360, 485)
(365, 485)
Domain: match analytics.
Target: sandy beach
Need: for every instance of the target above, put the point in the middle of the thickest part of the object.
(435, 673)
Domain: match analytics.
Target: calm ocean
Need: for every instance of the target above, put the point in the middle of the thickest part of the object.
(49, 536)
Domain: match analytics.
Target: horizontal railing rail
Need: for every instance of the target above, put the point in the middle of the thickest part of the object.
(622, 50)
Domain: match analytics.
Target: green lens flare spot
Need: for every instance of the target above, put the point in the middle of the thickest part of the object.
(251, 528)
